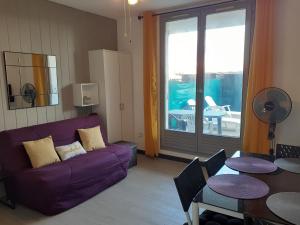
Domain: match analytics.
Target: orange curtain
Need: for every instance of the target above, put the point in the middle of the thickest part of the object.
(40, 82)
(255, 137)
(150, 86)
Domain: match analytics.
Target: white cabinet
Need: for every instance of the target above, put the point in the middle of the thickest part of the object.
(112, 71)
(85, 94)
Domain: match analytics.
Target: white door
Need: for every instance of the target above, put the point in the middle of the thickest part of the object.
(112, 90)
(126, 95)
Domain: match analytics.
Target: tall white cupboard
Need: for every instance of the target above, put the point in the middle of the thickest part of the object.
(112, 71)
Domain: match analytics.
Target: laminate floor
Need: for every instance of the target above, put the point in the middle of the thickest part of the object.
(146, 197)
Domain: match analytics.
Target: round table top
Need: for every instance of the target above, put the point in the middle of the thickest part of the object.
(248, 164)
(286, 205)
(238, 186)
(289, 164)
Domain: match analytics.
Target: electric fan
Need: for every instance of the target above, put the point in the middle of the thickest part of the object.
(272, 105)
(29, 93)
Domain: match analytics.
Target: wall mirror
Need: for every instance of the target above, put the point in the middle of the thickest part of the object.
(31, 80)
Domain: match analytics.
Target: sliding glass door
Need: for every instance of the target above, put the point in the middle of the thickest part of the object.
(179, 81)
(205, 58)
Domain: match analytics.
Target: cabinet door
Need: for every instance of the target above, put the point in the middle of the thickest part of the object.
(112, 92)
(126, 88)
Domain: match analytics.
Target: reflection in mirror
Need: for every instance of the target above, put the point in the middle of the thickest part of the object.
(31, 80)
(51, 61)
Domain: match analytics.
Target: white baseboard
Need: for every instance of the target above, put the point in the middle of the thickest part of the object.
(180, 155)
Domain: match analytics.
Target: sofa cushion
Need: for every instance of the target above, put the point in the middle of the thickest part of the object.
(41, 152)
(91, 138)
(69, 151)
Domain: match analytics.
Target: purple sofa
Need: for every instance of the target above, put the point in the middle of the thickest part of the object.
(55, 188)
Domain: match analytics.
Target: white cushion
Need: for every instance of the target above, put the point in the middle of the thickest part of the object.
(69, 151)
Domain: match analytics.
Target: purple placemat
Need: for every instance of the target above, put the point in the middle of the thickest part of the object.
(251, 165)
(238, 186)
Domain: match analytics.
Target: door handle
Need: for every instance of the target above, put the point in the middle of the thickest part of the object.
(122, 106)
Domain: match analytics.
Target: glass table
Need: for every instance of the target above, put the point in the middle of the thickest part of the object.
(279, 181)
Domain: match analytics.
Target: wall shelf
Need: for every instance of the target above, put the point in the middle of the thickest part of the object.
(85, 94)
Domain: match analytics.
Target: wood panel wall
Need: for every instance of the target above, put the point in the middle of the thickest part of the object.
(39, 26)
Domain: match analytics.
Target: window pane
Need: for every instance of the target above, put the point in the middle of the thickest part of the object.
(224, 69)
(180, 73)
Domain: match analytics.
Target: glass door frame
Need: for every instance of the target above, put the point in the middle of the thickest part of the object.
(199, 142)
(210, 143)
(171, 139)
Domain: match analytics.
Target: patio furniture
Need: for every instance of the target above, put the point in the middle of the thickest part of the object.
(176, 123)
(184, 118)
(229, 118)
(214, 114)
(212, 104)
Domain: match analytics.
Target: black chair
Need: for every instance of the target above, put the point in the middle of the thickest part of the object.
(287, 151)
(215, 163)
(189, 182)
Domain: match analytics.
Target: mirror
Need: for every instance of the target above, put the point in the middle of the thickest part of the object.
(31, 80)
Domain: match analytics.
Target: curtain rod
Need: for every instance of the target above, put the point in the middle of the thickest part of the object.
(182, 10)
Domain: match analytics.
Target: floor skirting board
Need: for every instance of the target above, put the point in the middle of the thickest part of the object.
(176, 156)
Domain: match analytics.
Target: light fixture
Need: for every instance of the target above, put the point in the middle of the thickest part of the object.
(132, 2)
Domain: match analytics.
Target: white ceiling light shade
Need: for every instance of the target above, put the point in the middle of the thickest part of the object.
(132, 2)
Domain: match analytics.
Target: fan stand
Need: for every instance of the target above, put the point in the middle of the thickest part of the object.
(271, 137)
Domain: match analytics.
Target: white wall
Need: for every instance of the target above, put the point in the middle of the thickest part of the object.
(136, 50)
(287, 65)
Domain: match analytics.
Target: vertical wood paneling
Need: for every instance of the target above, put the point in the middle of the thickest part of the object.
(39, 26)
(71, 29)
(15, 45)
(64, 64)
(46, 49)
(9, 115)
(36, 43)
(26, 46)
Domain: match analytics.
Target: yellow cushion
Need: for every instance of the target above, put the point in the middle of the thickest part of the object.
(41, 152)
(91, 138)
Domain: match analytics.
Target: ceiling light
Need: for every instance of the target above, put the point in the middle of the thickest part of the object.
(132, 2)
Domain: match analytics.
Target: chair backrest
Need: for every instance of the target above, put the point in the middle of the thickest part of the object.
(215, 163)
(287, 151)
(189, 182)
(210, 101)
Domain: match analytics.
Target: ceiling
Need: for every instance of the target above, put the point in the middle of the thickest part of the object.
(114, 8)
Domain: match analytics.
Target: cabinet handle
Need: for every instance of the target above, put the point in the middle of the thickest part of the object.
(122, 106)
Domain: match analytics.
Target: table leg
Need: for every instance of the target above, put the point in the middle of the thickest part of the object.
(195, 213)
(210, 125)
(220, 125)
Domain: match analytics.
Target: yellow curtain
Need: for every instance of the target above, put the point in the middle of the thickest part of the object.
(150, 86)
(40, 82)
(255, 138)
